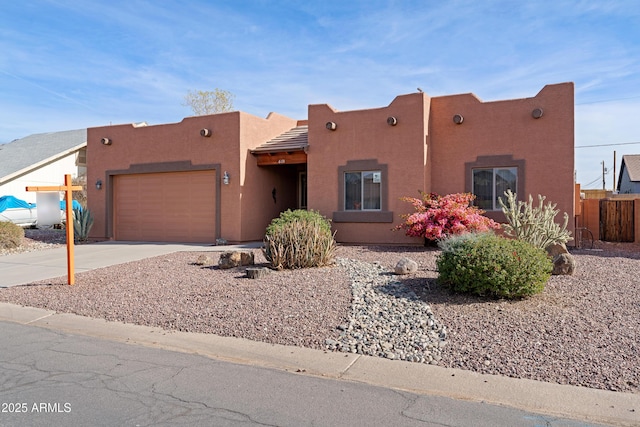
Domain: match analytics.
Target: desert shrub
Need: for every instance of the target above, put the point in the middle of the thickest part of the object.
(299, 239)
(11, 235)
(82, 223)
(488, 265)
(437, 217)
(535, 225)
(303, 215)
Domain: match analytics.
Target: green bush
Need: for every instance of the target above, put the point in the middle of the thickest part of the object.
(488, 265)
(299, 239)
(290, 216)
(82, 223)
(11, 235)
(535, 225)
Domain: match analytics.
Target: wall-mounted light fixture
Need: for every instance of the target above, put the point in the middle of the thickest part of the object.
(537, 113)
(225, 178)
(205, 132)
(331, 126)
(458, 119)
(98, 184)
(105, 141)
(392, 121)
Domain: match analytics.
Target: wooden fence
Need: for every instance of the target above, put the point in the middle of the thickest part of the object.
(617, 220)
(613, 219)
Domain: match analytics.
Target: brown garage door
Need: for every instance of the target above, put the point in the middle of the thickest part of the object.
(165, 207)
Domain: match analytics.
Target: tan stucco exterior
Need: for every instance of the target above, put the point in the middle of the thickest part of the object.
(424, 150)
(245, 205)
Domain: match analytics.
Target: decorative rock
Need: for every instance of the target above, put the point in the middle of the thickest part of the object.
(204, 260)
(246, 258)
(257, 272)
(564, 264)
(221, 242)
(388, 319)
(557, 249)
(406, 266)
(229, 260)
(235, 259)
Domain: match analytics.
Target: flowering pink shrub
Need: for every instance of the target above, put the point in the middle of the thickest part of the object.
(437, 216)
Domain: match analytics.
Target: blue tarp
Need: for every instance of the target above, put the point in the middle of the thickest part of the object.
(74, 205)
(10, 202)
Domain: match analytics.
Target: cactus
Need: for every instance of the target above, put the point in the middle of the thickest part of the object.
(82, 223)
(535, 225)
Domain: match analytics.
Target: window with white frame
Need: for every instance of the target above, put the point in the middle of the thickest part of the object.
(363, 190)
(489, 184)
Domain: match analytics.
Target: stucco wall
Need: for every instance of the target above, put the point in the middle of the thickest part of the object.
(257, 203)
(427, 151)
(364, 135)
(179, 146)
(504, 133)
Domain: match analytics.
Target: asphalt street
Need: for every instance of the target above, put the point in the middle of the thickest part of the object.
(52, 378)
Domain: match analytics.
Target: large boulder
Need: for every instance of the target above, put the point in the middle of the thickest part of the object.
(556, 249)
(406, 266)
(235, 259)
(563, 262)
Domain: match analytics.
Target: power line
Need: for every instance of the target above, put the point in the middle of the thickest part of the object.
(606, 145)
(594, 181)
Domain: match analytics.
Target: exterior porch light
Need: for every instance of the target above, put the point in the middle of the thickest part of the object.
(105, 141)
(331, 125)
(537, 113)
(225, 178)
(98, 184)
(392, 121)
(205, 132)
(458, 119)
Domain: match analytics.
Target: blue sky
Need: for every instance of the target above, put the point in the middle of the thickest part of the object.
(72, 64)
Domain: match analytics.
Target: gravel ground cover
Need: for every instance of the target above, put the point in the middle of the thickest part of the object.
(582, 330)
(38, 239)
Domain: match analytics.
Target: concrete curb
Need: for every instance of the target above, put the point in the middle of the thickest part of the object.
(579, 403)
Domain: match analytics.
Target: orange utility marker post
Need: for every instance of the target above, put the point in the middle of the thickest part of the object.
(68, 189)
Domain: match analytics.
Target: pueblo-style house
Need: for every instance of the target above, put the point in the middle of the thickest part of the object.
(225, 176)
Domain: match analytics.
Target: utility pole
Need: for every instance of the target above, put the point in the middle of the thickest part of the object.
(604, 170)
(615, 182)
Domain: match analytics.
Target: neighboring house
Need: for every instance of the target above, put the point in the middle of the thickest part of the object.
(227, 175)
(40, 160)
(629, 178)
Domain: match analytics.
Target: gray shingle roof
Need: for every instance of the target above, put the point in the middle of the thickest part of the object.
(632, 163)
(295, 139)
(26, 153)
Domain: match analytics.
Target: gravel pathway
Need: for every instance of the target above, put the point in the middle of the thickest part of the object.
(582, 330)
